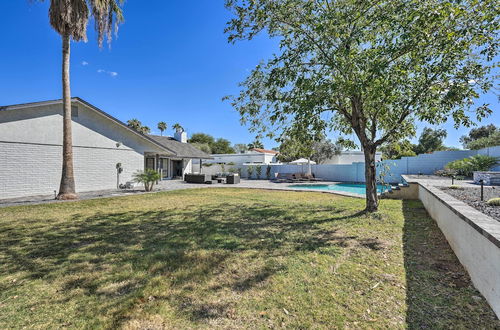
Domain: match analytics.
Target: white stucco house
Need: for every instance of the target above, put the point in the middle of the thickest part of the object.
(31, 149)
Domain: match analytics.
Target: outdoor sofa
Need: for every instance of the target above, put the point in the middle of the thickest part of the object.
(198, 178)
(296, 177)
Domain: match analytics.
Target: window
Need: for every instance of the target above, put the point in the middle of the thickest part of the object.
(74, 111)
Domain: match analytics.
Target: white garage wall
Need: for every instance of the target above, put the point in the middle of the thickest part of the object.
(31, 151)
(30, 169)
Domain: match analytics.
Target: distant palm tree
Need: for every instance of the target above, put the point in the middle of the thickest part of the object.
(178, 127)
(135, 124)
(69, 18)
(162, 126)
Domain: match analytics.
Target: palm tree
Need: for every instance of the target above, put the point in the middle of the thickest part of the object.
(135, 124)
(162, 126)
(145, 130)
(69, 18)
(178, 127)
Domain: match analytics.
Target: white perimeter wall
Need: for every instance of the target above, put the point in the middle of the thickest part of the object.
(393, 169)
(242, 158)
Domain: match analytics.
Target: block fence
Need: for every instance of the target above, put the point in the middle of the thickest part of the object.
(355, 172)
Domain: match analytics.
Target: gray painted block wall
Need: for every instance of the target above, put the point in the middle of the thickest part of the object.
(425, 164)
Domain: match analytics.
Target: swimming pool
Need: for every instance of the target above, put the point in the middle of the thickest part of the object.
(355, 188)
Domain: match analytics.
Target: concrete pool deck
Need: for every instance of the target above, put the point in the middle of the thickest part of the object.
(172, 185)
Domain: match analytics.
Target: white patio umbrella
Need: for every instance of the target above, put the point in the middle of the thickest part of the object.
(304, 161)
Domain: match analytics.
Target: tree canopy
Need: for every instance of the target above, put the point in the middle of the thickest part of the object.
(398, 149)
(208, 143)
(369, 67)
(222, 146)
(481, 137)
(240, 148)
(319, 151)
(431, 140)
(202, 138)
(255, 144)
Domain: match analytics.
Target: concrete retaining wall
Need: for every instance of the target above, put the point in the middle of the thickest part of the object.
(473, 236)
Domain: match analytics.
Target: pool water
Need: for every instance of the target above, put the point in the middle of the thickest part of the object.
(356, 188)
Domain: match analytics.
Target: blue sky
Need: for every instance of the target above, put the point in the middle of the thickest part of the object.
(169, 64)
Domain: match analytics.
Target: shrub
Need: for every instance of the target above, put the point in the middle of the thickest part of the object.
(231, 163)
(494, 202)
(207, 164)
(268, 172)
(455, 187)
(232, 170)
(258, 170)
(467, 166)
(147, 177)
(446, 173)
(250, 171)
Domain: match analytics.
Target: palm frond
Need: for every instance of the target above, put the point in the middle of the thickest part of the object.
(69, 17)
(107, 15)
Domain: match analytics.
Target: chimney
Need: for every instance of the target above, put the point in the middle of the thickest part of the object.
(180, 136)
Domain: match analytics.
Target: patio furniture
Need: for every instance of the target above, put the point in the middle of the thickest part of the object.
(307, 177)
(198, 178)
(284, 177)
(233, 179)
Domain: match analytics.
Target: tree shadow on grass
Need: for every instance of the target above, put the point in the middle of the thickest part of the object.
(116, 256)
(439, 291)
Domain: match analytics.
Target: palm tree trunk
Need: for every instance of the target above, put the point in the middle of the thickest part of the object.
(67, 186)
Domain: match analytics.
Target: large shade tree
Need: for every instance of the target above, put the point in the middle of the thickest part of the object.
(69, 18)
(374, 68)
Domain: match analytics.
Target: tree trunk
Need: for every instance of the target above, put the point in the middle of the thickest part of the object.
(371, 179)
(67, 186)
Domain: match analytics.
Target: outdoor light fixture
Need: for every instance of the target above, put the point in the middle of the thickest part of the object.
(452, 180)
(482, 189)
(118, 144)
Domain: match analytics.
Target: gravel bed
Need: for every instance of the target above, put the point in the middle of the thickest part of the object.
(472, 196)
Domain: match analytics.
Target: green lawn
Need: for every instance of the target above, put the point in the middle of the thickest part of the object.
(231, 258)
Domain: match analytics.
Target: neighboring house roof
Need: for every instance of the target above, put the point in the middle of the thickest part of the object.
(183, 150)
(171, 147)
(265, 151)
